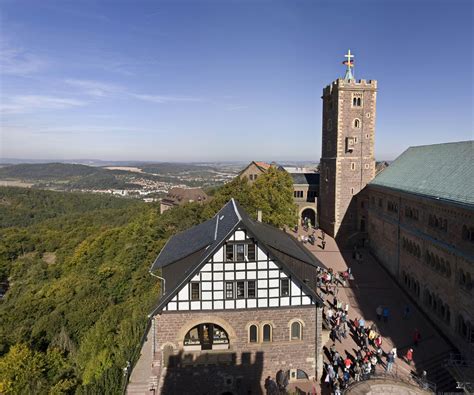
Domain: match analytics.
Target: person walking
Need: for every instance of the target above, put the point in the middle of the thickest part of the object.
(356, 371)
(390, 361)
(385, 314)
(409, 356)
(379, 311)
(361, 326)
(416, 337)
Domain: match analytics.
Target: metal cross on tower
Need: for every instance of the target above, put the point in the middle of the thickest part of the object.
(350, 64)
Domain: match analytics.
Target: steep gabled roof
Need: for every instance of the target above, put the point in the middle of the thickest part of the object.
(305, 178)
(441, 171)
(185, 253)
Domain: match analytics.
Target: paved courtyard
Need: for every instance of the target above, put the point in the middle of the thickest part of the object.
(371, 287)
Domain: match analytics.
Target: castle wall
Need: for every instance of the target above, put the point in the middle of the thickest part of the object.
(435, 264)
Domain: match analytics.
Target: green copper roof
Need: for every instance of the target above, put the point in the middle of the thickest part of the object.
(443, 171)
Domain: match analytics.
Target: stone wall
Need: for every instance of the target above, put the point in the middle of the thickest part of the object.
(244, 366)
(427, 260)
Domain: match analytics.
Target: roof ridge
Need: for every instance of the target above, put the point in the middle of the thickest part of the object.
(236, 210)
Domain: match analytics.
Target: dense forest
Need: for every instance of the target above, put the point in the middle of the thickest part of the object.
(79, 290)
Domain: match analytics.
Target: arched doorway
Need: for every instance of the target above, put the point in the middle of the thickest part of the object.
(309, 213)
(206, 336)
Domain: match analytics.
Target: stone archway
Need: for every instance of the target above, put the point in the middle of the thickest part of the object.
(308, 212)
(205, 319)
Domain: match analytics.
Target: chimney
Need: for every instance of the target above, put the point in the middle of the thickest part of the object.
(259, 215)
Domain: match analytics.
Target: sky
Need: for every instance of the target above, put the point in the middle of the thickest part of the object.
(225, 80)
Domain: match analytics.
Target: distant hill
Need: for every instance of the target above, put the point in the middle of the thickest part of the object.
(47, 171)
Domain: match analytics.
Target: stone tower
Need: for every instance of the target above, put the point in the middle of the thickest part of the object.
(347, 157)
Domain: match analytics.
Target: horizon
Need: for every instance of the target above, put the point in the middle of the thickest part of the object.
(204, 81)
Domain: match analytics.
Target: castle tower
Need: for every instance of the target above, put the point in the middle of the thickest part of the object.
(347, 158)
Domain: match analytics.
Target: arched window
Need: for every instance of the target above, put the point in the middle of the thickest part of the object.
(206, 336)
(267, 333)
(354, 101)
(356, 123)
(359, 102)
(296, 331)
(253, 334)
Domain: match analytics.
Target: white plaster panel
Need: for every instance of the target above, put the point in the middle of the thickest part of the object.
(262, 274)
(295, 301)
(218, 294)
(206, 276)
(274, 283)
(219, 255)
(274, 302)
(196, 278)
(274, 292)
(206, 295)
(262, 303)
(240, 266)
(207, 267)
(262, 293)
(252, 275)
(251, 265)
(229, 304)
(206, 286)
(229, 275)
(285, 301)
(261, 255)
(184, 293)
(262, 265)
(306, 300)
(195, 305)
(172, 306)
(271, 265)
(218, 285)
(240, 304)
(219, 304)
(218, 267)
(207, 305)
(283, 275)
(295, 290)
(240, 275)
(229, 266)
(183, 305)
(219, 276)
(251, 303)
(274, 273)
(175, 298)
(239, 235)
(263, 283)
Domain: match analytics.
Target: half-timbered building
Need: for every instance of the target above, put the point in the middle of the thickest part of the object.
(239, 304)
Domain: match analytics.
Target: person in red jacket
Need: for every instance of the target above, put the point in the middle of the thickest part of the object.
(409, 356)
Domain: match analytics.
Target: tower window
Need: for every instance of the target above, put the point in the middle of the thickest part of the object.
(356, 123)
(354, 101)
(352, 191)
(253, 334)
(366, 166)
(359, 102)
(353, 166)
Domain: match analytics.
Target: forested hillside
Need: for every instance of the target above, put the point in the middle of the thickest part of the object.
(79, 289)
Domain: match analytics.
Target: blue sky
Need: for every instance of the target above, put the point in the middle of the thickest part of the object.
(225, 80)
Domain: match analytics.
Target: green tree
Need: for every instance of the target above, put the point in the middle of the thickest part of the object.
(21, 370)
(273, 194)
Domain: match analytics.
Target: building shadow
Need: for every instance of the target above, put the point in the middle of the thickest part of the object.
(213, 373)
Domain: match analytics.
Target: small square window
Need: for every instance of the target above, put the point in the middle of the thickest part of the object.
(250, 289)
(195, 294)
(251, 252)
(229, 253)
(239, 252)
(284, 287)
(229, 290)
(240, 290)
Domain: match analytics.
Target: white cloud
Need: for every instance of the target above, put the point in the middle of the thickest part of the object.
(94, 88)
(28, 103)
(16, 61)
(166, 99)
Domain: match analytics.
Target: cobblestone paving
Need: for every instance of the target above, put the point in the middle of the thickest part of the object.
(371, 287)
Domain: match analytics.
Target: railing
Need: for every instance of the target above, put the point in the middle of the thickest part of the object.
(394, 374)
